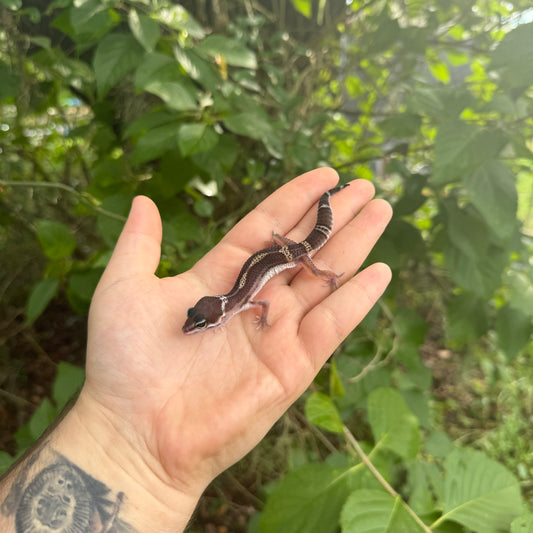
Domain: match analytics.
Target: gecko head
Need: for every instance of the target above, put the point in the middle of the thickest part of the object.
(207, 313)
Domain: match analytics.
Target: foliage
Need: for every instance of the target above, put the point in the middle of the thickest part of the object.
(206, 112)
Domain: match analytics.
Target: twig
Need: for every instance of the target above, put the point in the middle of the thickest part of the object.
(384, 483)
(84, 197)
(376, 361)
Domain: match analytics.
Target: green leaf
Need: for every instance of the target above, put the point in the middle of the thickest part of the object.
(466, 230)
(461, 147)
(393, 425)
(251, 124)
(480, 276)
(90, 21)
(159, 74)
(194, 138)
(148, 121)
(80, 289)
(6, 461)
(493, 192)
(203, 207)
(514, 330)
(176, 94)
(55, 239)
(178, 18)
(512, 54)
(233, 51)
(401, 126)
(43, 416)
(308, 498)
(467, 319)
(335, 382)
(197, 68)
(522, 524)
(452, 140)
(303, 6)
(110, 228)
(41, 295)
(479, 493)
(68, 381)
(376, 511)
(440, 71)
(426, 101)
(10, 85)
(321, 411)
(155, 142)
(144, 29)
(116, 55)
(14, 5)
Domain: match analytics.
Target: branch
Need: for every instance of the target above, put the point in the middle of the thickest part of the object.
(384, 483)
(83, 197)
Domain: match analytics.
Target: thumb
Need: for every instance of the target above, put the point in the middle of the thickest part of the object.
(138, 248)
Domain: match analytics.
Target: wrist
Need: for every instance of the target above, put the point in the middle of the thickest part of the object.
(88, 469)
(113, 454)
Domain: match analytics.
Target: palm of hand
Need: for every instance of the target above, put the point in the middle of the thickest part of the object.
(200, 402)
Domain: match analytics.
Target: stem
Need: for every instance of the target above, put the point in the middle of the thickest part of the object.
(384, 483)
(84, 197)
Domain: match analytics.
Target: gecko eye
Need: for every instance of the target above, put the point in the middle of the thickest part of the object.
(201, 323)
(189, 311)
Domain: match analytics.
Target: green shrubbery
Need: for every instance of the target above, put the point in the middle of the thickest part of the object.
(207, 112)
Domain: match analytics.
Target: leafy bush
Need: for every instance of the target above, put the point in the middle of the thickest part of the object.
(207, 111)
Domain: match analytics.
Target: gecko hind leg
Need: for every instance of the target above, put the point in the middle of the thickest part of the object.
(328, 276)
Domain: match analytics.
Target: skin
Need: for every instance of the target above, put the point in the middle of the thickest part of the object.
(162, 413)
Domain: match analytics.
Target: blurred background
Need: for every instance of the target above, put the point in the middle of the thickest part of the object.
(207, 106)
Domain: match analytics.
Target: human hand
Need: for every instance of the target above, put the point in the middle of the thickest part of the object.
(188, 406)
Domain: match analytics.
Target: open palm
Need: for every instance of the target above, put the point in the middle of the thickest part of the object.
(195, 404)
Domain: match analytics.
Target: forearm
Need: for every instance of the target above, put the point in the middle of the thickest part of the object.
(85, 475)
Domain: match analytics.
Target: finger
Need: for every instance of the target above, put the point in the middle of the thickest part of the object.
(345, 206)
(283, 209)
(345, 252)
(327, 324)
(138, 248)
(280, 212)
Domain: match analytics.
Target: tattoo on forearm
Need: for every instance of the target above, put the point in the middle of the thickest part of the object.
(62, 498)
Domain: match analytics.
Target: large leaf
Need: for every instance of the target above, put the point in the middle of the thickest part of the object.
(232, 50)
(155, 142)
(514, 330)
(320, 410)
(466, 230)
(512, 56)
(41, 295)
(90, 21)
(144, 29)
(393, 425)
(493, 192)
(480, 276)
(460, 147)
(178, 18)
(466, 319)
(309, 498)
(198, 68)
(523, 524)
(116, 55)
(194, 138)
(479, 493)
(68, 381)
(376, 511)
(56, 239)
(159, 74)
